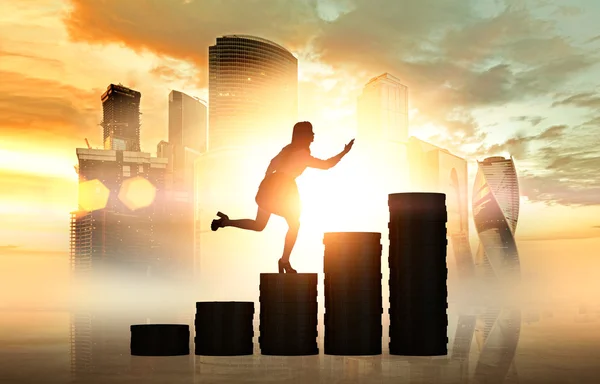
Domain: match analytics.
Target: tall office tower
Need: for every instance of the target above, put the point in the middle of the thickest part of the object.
(496, 212)
(382, 129)
(253, 92)
(188, 128)
(382, 110)
(122, 236)
(121, 118)
(188, 121)
(433, 169)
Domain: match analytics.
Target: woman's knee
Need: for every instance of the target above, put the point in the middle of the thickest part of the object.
(293, 223)
(260, 225)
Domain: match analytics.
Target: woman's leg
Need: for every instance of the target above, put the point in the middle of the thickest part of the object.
(258, 224)
(290, 238)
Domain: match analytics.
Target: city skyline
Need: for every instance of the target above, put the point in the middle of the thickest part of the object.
(169, 111)
(547, 133)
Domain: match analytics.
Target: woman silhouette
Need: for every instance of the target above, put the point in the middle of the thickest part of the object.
(278, 192)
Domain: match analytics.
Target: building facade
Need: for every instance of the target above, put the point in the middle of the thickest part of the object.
(433, 169)
(115, 238)
(121, 118)
(496, 213)
(253, 92)
(382, 110)
(188, 130)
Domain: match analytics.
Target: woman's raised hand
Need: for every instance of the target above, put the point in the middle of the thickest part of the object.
(348, 146)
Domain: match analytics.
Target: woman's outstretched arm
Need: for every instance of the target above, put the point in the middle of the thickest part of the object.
(314, 162)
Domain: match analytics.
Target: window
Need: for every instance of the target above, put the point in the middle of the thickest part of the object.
(141, 169)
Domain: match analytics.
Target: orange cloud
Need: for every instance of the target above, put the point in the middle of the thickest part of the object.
(184, 30)
(30, 105)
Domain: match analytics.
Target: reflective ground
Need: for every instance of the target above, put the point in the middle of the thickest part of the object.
(537, 344)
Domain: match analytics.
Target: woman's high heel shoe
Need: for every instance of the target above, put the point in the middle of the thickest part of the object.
(285, 267)
(218, 223)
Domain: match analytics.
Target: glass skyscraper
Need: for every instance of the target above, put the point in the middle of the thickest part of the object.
(433, 169)
(496, 212)
(383, 110)
(253, 92)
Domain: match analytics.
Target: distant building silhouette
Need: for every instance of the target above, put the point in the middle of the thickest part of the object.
(188, 139)
(433, 169)
(253, 91)
(121, 118)
(382, 110)
(382, 127)
(188, 128)
(115, 238)
(496, 212)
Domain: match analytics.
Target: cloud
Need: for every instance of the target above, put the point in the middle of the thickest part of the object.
(569, 174)
(582, 100)
(558, 236)
(30, 105)
(518, 147)
(453, 57)
(18, 250)
(20, 55)
(36, 187)
(8, 247)
(184, 30)
(171, 74)
(533, 120)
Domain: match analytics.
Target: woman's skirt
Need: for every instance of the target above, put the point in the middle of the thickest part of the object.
(278, 194)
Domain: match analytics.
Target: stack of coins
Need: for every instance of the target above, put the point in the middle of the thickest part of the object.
(418, 274)
(160, 339)
(353, 302)
(288, 314)
(224, 328)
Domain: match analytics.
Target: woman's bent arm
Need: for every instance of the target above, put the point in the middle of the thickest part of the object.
(313, 162)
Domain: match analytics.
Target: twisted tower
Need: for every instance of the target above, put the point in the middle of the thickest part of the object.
(496, 212)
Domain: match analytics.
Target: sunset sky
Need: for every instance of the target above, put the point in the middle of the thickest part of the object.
(485, 78)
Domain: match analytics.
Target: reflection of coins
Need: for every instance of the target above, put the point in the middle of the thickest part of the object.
(418, 274)
(160, 339)
(224, 328)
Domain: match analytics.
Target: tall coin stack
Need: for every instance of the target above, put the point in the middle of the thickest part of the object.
(288, 314)
(418, 274)
(224, 328)
(353, 300)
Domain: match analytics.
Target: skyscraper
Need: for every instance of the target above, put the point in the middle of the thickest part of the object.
(382, 129)
(188, 128)
(433, 169)
(121, 118)
(116, 238)
(496, 212)
(253, 92)
(383, 110)
(188, 121)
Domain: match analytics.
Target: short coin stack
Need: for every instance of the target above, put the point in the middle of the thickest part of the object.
(418, 274)
(288, 314)
(224, 328)
(160, 339)
(353, 299)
